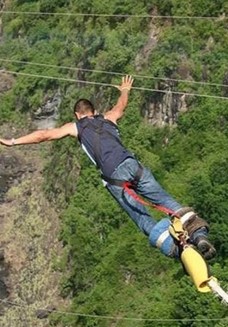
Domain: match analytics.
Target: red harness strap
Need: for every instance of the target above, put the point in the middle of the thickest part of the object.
(129, 188)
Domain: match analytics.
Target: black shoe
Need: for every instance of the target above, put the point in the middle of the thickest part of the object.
(205, 247)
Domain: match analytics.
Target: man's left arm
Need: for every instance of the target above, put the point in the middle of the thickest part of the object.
(118, 110)
(39, 136)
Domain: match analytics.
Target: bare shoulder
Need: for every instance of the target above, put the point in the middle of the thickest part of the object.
(111, 115)
(70, 129)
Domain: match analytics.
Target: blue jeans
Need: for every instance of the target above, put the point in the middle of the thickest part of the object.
(148, 187)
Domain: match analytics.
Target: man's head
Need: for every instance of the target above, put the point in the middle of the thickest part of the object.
(83, 107)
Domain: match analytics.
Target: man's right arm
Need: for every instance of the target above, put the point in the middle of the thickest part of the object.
(39, 136)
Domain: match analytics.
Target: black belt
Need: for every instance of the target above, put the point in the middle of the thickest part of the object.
(122, 183)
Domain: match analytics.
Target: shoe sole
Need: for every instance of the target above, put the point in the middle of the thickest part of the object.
(207, 250)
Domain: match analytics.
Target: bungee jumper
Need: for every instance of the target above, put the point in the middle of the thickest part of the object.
(127, 180)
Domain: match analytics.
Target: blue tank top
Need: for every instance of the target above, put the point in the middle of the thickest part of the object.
(99, 138)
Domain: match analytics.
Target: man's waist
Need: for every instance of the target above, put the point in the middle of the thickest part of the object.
(109, 168)
(113, 180)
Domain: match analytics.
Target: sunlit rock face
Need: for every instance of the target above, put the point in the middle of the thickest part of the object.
(47, 114)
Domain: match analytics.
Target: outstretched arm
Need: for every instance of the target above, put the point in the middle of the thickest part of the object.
(118, 110)
(39, 136)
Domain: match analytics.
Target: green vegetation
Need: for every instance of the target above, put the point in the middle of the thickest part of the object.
(109, 268)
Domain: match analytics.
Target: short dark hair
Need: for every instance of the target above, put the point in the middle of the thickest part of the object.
(84, 106)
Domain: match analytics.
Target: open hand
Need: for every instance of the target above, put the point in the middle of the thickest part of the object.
(6, 142)
(126, 84)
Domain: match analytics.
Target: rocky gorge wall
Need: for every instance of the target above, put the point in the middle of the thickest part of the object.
(28, 238)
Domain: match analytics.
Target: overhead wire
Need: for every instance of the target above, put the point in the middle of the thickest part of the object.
(115, 73)
(111, 73)
(6, 12)
(111, 85)
(113, 317)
